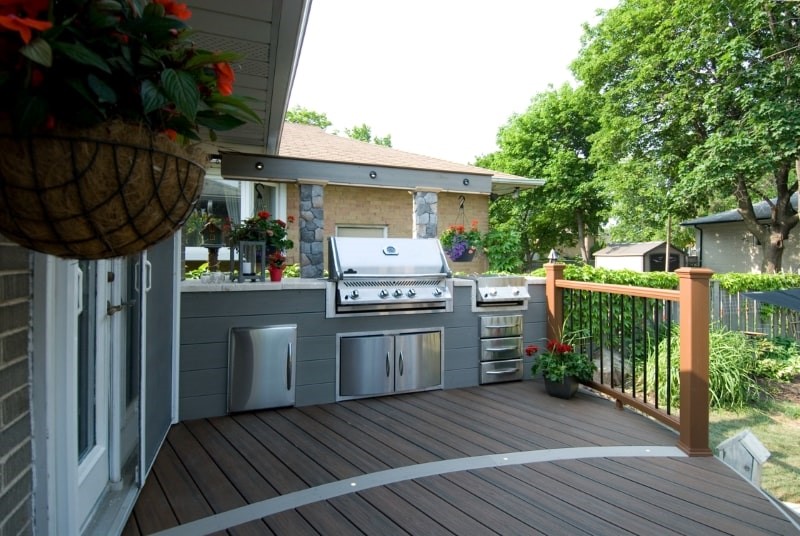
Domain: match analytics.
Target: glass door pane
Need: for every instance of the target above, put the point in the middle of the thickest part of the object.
(87, 361)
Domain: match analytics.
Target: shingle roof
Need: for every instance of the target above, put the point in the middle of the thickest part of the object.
(633, 249)
(761, 209)
(312, 143)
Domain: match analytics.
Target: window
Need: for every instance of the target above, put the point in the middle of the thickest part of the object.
(362, 231)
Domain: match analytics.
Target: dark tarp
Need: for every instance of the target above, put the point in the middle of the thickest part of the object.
(789, 298)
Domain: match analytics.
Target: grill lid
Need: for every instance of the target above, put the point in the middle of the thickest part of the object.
(492, 289)
(350, 257)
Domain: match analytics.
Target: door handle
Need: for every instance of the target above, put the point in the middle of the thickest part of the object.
(502, 348)
(501, 371)
(400, 364)
(388, 365)
(289, 367)
(114, 309)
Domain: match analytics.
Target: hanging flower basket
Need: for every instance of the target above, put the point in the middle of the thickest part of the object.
(107, 191)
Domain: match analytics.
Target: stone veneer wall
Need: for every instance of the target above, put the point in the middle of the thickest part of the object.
(311, 226)
(16, 463)
(426, 214)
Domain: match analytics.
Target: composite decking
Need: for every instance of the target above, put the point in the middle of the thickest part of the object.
(285, 462)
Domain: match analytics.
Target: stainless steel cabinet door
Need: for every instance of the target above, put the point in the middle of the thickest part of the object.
(418, 361)
(261, 367)
(366, 365)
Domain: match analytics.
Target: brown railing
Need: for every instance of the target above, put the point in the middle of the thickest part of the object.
(633, 332)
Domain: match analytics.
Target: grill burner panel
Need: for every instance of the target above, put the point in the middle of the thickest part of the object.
(495, 291)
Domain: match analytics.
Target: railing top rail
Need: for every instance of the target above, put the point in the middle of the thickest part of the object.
(639, 292)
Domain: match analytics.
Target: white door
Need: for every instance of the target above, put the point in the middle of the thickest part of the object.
(82, 327)
(93, 360)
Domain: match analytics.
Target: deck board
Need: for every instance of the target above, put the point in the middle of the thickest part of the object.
(210, 466)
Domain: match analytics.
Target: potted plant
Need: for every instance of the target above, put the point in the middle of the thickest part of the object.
(461, 243)
(562, 368)
(262, 227)
(277, 263)
(101, 103)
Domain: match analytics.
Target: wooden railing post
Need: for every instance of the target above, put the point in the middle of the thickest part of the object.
(694, 334)
(555, 302)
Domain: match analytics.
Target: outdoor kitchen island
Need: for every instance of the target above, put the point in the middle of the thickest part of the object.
(209, 311)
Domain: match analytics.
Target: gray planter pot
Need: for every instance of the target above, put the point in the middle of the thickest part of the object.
(563, 389)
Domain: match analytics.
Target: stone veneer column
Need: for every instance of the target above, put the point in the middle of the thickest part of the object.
(426, 214)
(312, 230)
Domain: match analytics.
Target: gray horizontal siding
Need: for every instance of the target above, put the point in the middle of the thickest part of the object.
(206, 318)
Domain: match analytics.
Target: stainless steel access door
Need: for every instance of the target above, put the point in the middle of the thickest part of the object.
(366, 365)
(261, 367)
(418, 361)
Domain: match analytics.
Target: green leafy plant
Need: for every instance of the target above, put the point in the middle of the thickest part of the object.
(262, 228)
(561, 360)
(458, 241)
(84, 62)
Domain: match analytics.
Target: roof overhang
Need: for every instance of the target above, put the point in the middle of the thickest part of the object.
(275, 168)
(268, 35)
(513, 185)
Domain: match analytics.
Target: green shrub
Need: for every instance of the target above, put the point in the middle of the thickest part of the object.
(778, 359)
(732, 369)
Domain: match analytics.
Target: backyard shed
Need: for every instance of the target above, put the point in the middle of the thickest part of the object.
(639, 257)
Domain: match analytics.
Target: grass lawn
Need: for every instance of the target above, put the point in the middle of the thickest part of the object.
(777, 426)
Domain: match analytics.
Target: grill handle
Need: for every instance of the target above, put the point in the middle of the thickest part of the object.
(388, 365)
(501, 371)
(502, 348)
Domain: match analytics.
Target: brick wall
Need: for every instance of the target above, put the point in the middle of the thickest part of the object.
(350, 205)
(16, 467)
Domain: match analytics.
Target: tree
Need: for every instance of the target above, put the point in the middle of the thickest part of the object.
(550, 140)
(364, 133)
(304, 116)
(701, 98)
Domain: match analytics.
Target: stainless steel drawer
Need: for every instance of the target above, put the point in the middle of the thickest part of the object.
(501, 371)
(501, 349)
(501, 326)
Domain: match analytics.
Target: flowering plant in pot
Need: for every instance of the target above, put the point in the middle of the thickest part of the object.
(461, 243)
(101, 103)
(562, 367)
(261, 227)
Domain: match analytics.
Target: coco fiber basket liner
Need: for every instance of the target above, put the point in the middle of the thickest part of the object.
(108, 191)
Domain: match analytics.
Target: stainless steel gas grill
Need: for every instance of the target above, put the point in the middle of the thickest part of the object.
(503, 292)
(387, 276)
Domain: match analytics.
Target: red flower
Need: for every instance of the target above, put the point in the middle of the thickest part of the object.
(179, 11)
(531, 349)
(171, 134)
(23, 26)
(225, 78)
(290, 219)
(264, 215)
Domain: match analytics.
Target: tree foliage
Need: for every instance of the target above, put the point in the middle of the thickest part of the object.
(363, 132)
(304, 116)
(700, 102)
(550, 140)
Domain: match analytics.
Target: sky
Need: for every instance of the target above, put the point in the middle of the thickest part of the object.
(440, 76)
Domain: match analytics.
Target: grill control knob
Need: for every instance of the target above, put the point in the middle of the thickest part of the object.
(354, 294)
(411, 293)
(383, 293)
(437, 291)
(397, 293)
(516, 292)
(492, 292)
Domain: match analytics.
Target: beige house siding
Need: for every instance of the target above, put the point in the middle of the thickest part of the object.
(293, 209)
(729, 247)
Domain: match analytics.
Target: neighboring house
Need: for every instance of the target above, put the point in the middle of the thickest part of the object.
(359, 189)
(725, 245)
(639, 257)
(88, 349)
